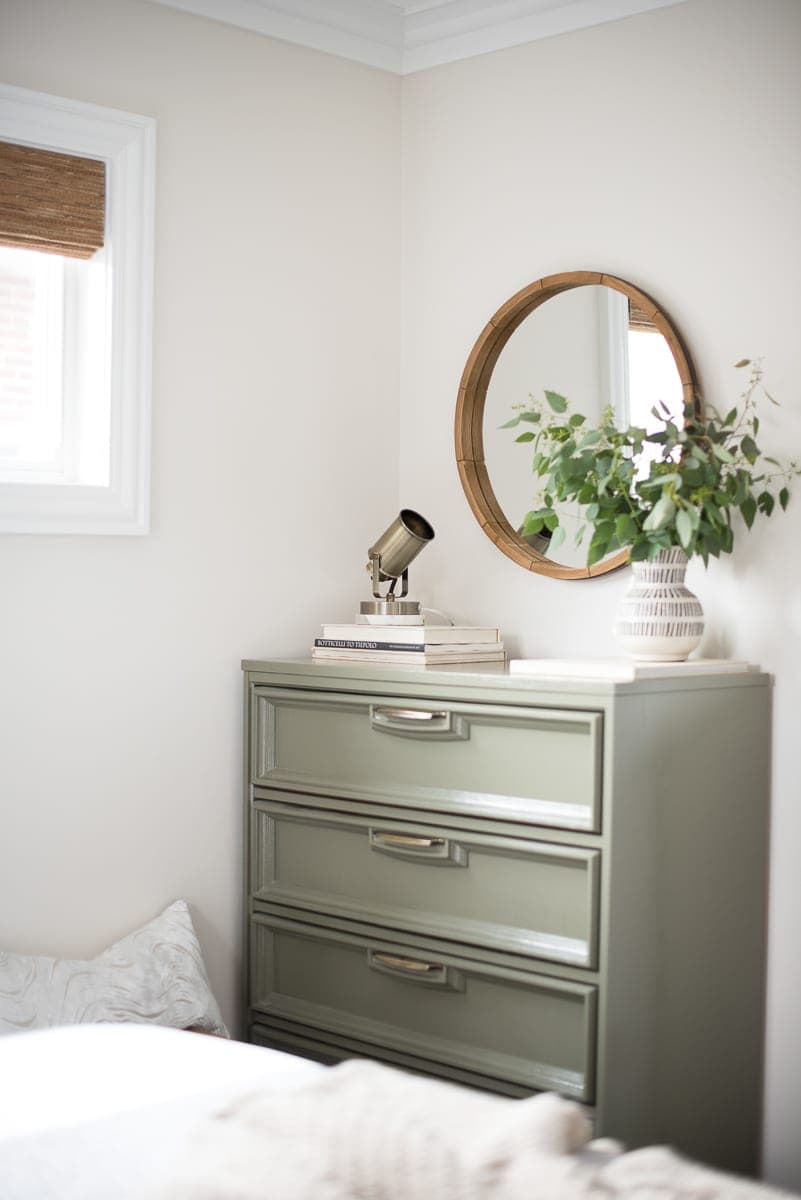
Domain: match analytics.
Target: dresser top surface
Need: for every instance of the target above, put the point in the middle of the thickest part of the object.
(485, 678)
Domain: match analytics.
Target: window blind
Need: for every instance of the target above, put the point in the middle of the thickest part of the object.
(50, 201)
(638, 319)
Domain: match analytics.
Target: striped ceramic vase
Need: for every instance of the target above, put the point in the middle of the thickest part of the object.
(659, 618)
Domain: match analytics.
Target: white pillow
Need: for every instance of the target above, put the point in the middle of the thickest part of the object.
(155, 974)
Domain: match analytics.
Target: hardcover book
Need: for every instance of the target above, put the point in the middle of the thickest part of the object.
(427, 635)
(361, 645)
(407, 655)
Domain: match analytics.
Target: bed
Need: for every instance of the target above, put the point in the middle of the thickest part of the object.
(124, 1111)
(118, 1081)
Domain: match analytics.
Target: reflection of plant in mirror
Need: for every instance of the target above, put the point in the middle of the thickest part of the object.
(677, 486)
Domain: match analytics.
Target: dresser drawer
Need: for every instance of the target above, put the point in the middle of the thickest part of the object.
(527, 1028)
(330, 1048)
(503, 893)
(536, 765)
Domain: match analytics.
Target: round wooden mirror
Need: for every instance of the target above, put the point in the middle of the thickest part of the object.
(590, 337)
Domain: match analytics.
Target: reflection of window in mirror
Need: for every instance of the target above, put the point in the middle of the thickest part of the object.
(637, 368)
(653, 380)
(652, 377)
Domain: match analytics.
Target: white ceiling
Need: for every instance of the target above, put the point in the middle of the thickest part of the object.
(409, 35)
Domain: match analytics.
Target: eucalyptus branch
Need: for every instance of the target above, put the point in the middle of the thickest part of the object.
(699, 475)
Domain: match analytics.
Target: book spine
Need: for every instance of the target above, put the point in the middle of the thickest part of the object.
(326, 652)
(357, 644)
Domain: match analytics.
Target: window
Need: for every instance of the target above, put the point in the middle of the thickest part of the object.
(54, 393)
(75, 319)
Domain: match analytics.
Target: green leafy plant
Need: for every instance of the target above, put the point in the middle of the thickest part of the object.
(678, 486)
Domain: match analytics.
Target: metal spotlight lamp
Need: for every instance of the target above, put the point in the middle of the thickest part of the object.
(389, 562)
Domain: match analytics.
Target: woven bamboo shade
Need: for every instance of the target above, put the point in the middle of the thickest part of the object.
(638, 319)
(50, 201)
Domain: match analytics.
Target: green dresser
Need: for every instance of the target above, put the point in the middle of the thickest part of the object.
(518, 884)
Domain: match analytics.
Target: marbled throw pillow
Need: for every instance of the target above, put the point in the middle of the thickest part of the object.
(155, 974)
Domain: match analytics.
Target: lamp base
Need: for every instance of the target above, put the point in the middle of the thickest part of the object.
(391, 612)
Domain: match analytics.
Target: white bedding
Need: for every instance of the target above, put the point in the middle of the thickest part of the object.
(130, 1112)
(363, 1131)
(103, 1112)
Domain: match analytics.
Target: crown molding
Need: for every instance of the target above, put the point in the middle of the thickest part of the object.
(450, 32)
(404, 36)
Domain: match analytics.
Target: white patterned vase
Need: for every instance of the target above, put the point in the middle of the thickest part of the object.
(659, 618)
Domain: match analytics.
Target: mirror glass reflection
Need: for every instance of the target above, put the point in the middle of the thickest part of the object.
(593, 346)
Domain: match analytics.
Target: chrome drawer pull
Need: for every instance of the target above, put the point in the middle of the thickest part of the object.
(406, 839)
(408, 714)
(433, 851)
(411, 966)
(416, 970)
(436, 724)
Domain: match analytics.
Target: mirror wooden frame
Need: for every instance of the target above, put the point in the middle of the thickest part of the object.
(469, 422)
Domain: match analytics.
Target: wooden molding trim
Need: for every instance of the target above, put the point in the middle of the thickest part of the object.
(469, 437)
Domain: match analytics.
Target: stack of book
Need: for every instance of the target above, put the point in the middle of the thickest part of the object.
(405, 644)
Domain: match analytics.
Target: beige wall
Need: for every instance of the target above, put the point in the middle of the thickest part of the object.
(275, 379)
(665, 149)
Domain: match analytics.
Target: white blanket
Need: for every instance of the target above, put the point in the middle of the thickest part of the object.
(368, 1132)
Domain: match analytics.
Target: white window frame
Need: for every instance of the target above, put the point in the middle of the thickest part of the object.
(126, 142)
(613, 330)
